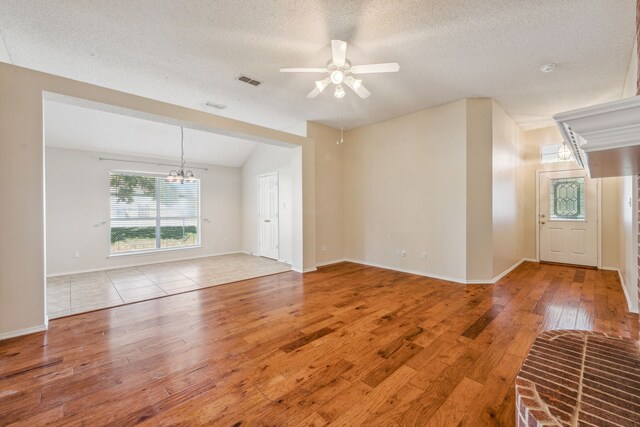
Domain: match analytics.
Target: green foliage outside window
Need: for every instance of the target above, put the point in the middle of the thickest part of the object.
(126, 233)
(124, 186)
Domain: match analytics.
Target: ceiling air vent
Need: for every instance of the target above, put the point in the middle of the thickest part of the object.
(249, 80)
(216, 105)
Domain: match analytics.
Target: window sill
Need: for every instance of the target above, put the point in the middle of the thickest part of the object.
(153, 252)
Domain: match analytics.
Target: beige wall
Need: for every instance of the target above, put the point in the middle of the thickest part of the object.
(329, 193)
(445, 182)
(307, 167)
(608, 189)
(479, 189)
(508, 185)
(610, 259)
(22, 264)
(628, 232)
(628, 215)
(78, 212)
(405, 189)
(267, 159)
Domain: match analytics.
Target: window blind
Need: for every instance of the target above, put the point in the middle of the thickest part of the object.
(150, 213)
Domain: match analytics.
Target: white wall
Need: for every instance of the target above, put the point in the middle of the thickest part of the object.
(405, 188)
(77, 202)
(267, 159)
(508, 202)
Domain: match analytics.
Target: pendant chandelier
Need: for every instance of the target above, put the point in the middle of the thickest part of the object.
(564, 153)
(181, 175)
(341, 141)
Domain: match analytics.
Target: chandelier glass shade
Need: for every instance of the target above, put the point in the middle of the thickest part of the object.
(564, 153)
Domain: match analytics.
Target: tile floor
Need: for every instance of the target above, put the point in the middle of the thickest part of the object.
(82, 292)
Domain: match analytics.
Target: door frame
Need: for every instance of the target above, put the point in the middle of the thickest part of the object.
(598, 203)
(277, 212)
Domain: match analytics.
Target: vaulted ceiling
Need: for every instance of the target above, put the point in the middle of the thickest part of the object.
(80, 128)
(188, 52)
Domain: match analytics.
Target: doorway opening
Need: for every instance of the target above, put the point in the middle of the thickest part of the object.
(118, 231)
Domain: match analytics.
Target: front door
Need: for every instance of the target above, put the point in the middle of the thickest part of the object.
(568, 218)
(268, 215)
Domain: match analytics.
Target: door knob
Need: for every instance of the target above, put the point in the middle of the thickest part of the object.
(267, 220)
(543, 222)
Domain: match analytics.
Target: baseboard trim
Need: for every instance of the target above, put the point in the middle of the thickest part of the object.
(630, 306)
(530, 259)
(25, 331)
(508, 270)
(439, 277)
(136, 264)
(406, 270)
(331, 262)
(304, 270)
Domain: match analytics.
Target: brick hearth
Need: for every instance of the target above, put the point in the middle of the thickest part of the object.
(575, 378)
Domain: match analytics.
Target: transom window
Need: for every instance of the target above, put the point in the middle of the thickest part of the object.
(567, 199)
(148, 213)
(555, 153)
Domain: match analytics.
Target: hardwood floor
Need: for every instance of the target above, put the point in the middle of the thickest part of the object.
(348, 345)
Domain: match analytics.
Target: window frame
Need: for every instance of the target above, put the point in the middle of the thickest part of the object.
(158, 226)
(556, 158)
(583, 198)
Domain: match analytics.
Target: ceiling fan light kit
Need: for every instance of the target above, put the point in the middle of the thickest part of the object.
(340, 72)
(337, 76)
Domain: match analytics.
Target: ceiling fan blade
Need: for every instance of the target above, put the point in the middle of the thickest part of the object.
(303, 70)
(322, 84)
(362, 92)
(315, 92)
(356, 86)
(390, 67)
(339, 51)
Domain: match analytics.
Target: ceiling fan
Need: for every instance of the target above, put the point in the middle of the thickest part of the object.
(340, 72)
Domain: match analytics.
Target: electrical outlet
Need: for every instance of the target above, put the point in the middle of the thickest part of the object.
(324, 248)
(423, 256)
(404, 253)
(76, 254)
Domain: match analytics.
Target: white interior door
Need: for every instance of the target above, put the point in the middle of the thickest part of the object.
(268, 215)
(568, 218)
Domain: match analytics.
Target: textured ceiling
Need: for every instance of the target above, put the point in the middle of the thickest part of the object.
(71, 126)
(187, 52)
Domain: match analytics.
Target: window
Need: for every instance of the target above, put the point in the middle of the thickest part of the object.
(149, 213)
(555, 153)
(567, 199)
